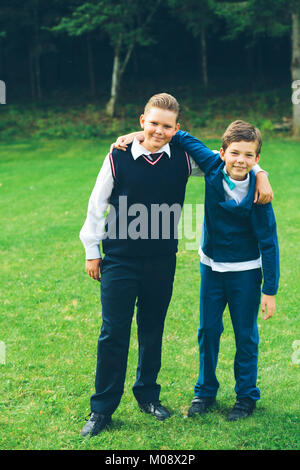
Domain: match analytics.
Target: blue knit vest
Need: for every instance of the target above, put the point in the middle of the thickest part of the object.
(146, 203)
(227, 234)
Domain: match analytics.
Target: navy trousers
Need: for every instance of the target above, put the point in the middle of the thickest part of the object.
(125, 280)
(241, 291)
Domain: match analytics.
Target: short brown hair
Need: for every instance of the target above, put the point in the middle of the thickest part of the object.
(241, 130)
(163, 101)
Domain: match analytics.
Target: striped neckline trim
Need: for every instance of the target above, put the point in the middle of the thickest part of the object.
(155, 161)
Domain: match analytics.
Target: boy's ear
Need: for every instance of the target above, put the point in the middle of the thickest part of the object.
(257, 158)
(142, 121)
(177, 127)
(222, 154)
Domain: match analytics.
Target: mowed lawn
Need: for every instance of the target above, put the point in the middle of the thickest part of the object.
(50, 316)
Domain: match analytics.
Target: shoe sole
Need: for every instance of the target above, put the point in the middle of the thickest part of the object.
(199, 413)
(91, 434)
(240, 417)
(156, 417)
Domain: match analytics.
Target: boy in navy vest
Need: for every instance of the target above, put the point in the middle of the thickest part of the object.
(140, 257)
(238, 238)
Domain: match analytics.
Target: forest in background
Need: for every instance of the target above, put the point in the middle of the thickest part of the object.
(69, 66)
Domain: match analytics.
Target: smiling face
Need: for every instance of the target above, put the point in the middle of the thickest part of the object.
(159, 127)
(239, 158)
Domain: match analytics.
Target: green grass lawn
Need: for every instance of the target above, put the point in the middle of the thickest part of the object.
(50, 316)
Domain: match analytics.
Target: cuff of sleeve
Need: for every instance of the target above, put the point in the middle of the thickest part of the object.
(93, 252)
(269, 291)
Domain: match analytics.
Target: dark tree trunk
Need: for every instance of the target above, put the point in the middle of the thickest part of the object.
(204, 58)
(31, 72)
(91, 65)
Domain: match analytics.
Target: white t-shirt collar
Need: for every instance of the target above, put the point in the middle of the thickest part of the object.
(137, 149)
(240, 183)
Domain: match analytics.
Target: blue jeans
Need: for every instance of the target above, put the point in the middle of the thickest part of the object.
(241, 291)
(125, 280)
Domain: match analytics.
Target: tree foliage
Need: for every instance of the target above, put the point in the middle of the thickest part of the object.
(194, 14)
(255, 18)
(114, 17)
(125, 23)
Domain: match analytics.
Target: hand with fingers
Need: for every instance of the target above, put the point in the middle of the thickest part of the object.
(268, 306)
(124, 140)
(263, 190)
(94, 268)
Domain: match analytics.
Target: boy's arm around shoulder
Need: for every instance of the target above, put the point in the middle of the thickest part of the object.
(265, 230)
(205, 158)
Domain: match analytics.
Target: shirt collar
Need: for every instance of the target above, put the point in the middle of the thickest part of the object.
(244, 182)
(137, 149)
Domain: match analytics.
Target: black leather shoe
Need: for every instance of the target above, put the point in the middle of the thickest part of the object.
(200, 405)
(95, 424)
(243, 407)
(156, 409)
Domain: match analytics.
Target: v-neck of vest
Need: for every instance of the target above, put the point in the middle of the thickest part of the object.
(153, 162)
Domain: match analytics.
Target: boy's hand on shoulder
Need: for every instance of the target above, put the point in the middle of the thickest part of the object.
(268, 306)
(94, 268)
(122, 141)
(263, 190)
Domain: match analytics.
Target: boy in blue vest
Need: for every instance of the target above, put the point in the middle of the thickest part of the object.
(138, 264)
(238, 238)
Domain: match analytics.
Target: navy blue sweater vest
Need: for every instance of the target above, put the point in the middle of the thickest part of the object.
(146, 203)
